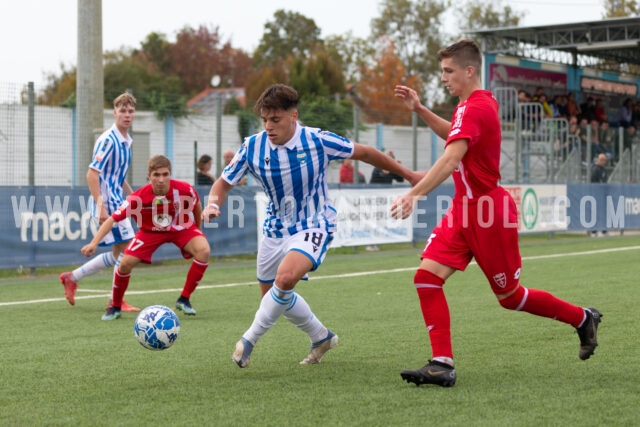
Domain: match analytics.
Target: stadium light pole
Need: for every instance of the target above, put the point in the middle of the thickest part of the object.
(89, 83)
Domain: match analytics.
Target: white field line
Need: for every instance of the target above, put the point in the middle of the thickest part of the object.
(107, 294)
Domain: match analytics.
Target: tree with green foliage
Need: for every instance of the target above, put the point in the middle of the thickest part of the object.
(316, 76)
(477, 14)
(416, 28)
(288, 34)
(60, 89)
(327, 114)
(350, 53)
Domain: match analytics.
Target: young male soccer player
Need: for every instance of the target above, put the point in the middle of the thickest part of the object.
(107, 183)
(482, 222)
(290, 161)
(166, 211)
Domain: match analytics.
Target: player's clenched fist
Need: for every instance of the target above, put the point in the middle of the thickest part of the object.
(88, 250)
(211, 211)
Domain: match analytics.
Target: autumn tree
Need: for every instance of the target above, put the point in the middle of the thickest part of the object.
(416, 28)
(196, 57)
(620, 8)
(375, 90)
(60, 89)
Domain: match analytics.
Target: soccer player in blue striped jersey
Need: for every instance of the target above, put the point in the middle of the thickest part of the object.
(107, 184)
(290, 161)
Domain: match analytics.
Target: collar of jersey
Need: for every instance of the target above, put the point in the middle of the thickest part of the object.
(121, 138)
(291, 144)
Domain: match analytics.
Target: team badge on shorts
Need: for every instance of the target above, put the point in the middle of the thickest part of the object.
(500, 279)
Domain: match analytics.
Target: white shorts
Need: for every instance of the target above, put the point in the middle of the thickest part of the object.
(121, 232)
(313, 243)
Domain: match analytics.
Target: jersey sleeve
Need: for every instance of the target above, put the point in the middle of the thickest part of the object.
(101, 154)
(466, 125)
(237, 168)
(336, 146)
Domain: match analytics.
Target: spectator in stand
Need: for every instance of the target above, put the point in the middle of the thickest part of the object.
(606, 137)
(537, 94)
(204, 166)
(630, 137)
(588, 109)
(600, 112)
(569, 144)
(546, 108)
(380, 176)
(347, 172)
(599, 169)
(596, 148)
(625, 114)
(561, 106)
(572, 106)
(523, 96)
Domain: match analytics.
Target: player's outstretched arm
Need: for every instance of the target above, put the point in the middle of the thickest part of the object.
(439, 172)
(217, 197)
(380, 160)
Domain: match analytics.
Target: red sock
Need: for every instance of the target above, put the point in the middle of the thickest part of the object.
(435, 312)
(196, 271)
(542, 303)
(120, 285)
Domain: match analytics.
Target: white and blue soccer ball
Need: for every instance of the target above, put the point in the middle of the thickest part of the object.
(157, 327)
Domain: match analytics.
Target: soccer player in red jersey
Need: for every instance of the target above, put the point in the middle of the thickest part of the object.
(166, 211)
(482, 222)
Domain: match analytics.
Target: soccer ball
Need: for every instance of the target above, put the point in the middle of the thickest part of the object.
(157, 327)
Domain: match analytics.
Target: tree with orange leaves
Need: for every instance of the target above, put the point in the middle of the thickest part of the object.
(375, 90)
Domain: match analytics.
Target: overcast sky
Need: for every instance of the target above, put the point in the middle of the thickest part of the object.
(38, 35)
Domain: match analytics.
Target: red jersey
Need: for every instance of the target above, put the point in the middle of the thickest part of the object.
(476, 119)
(170, 212)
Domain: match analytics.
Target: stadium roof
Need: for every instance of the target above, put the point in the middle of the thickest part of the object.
(611, 44)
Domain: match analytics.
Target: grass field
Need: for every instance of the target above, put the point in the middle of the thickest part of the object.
(62, 365)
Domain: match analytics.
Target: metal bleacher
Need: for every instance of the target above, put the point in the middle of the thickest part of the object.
(535, 149)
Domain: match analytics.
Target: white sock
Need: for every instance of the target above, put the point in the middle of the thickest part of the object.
(299, 313)
(272, 306)
(443, 359)
(93, 266)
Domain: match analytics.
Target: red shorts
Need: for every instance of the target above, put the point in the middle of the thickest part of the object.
(485, 229)
(146, 242)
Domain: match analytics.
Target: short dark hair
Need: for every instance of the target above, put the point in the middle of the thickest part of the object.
(465, 52)
(203, 160)
(158, 161)
(277, 97)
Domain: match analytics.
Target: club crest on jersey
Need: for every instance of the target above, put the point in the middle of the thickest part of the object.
(302, 157)
(162, 220)
(500, 279)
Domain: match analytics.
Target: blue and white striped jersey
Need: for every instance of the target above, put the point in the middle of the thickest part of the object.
(111, 157)
(293, 176)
